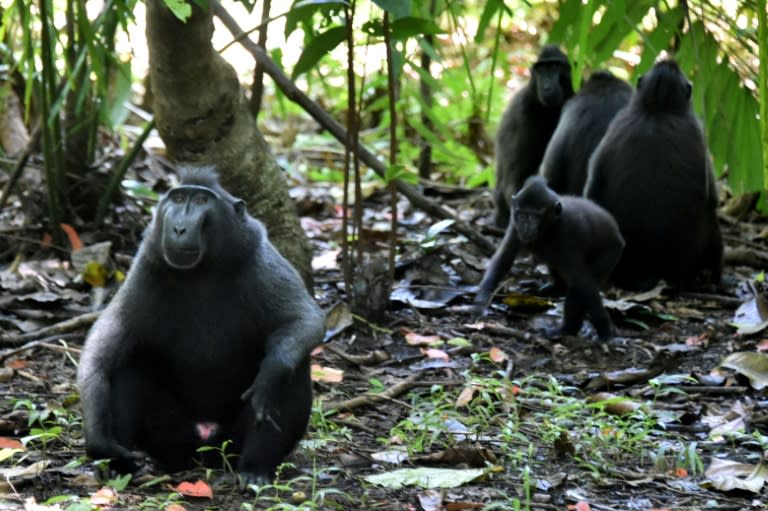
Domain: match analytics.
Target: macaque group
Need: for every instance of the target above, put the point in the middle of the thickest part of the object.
(624, 194)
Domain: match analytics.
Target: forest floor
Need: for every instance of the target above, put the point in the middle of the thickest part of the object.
(487, 414)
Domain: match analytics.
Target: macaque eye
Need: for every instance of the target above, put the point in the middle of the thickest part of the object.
(201, 200)
(178, 198)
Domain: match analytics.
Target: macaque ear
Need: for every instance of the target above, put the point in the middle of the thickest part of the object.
(239, 206)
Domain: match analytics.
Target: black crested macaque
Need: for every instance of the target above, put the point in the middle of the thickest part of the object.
(577, 239)
(653, 173)
(581, 127)
(207, 340)
(527, 125)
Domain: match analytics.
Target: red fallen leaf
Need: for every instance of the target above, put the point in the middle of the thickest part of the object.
(105, 497)
(516, 390)
(435, 353)
(197, 489)
(461, 506)
(175, 507)
(762, 345)
(74, 239)
(697, 340)
(497, 355)
(579, 506)
(17, 364)
(681, 472)
(10, 443)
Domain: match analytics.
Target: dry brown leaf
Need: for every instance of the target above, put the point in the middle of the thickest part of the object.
(497, 355)
(326, 374)
(435, 353)
(105, 497)
(415, 339)
(465, 396)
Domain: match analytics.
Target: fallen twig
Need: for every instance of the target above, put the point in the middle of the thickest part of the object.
(78, 322)
(371, 399)
(728, 301)
(41, 343)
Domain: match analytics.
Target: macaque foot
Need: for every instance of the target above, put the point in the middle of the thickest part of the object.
(248, 479)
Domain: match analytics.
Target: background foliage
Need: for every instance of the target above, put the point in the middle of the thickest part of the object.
(62, 55)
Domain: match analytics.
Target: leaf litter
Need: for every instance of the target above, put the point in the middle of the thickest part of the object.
(432, 409)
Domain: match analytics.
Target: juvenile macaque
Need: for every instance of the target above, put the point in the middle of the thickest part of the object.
(577, 239)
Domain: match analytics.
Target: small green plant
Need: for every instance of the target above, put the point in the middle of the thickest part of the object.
(298, 494)
(42, 435)
(161, 501)
(223, 454)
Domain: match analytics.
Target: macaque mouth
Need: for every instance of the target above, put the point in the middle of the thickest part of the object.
(182, 258)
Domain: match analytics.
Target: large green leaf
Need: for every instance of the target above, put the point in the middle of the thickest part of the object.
(569, 18)
(729, 110)
(397, 8)
(317, 48)
(619, 24)
(490, 9)
(658, 39)
(303, 11)
(410, 26)
(180, 8)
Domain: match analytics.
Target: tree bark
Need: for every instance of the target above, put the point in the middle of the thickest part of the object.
(203, 118)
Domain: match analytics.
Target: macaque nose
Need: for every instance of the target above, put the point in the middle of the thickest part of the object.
(179, 230)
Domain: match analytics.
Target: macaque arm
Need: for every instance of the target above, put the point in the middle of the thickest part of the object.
(498, 267)
(95, 386)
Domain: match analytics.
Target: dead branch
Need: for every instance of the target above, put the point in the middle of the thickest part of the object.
(76, 323)
(41, 343)
(430, 207)
(372, 399)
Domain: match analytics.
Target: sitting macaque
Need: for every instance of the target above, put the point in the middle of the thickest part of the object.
(207, 340)
(578, 240)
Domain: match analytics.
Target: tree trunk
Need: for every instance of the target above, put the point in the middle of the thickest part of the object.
(203, 117)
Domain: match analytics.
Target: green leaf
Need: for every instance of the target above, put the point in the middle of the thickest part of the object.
(7, 452)
(303, 10)
(396, 8)
(657, 40)
(410, 26)
(490, 9)
(180, 8)
(399, 171)
(317, 48)
(570, 14)
(115, 110)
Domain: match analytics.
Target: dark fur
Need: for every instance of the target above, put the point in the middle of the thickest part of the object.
(527, 124)
(653, 173)
(581, 127)
(577, 239)
(225, 342)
